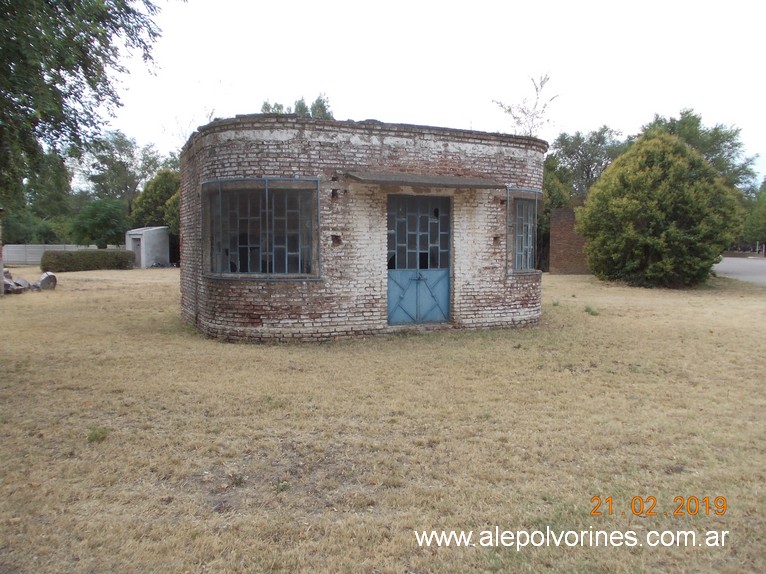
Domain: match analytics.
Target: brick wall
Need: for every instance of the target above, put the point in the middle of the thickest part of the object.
(350, 298)
(567, 246)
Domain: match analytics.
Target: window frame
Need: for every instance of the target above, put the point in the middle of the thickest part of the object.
(265, 189)
(416, 234)
(516, 198)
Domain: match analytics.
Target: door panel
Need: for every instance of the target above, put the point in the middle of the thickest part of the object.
(418, 259)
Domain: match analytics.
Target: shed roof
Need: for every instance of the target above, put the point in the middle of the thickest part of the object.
(139, 230)
(423, 180)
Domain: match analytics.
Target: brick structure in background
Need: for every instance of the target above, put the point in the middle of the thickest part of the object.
(567, 246)
(346, 289)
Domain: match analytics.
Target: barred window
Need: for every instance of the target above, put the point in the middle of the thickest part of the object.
(524, 234)
(262, 226)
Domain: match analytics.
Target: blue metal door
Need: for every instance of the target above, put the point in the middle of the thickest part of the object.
(418, 259)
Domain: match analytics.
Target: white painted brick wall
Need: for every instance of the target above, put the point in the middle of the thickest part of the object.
(351, 296)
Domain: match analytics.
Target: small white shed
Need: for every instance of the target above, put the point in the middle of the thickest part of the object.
(150, 244)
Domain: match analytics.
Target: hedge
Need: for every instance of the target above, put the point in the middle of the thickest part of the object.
(87, 260)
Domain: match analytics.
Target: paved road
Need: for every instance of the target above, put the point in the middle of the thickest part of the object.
(743, 268)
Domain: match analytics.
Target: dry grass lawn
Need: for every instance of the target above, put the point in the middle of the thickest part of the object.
(129, 443)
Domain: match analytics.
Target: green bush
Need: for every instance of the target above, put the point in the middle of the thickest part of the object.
(87, 260)
(658, 216)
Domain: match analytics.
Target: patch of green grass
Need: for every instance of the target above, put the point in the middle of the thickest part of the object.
(98, 434)
(591, 311)
(281, 486)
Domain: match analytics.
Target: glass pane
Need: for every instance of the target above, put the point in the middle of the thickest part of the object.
(240, 264)
(292, 224)
(278, 232)
(401, 257)
(240, 203)
(255, 261)
(444, 260)
(279, 259)
(401, 230)
(412, 260)
(412, 222)
(255, 232)
(278, 203)
(306, 259)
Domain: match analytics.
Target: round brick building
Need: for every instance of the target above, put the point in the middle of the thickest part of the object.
(302, 229)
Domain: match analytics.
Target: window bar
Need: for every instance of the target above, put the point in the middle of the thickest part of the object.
(266, 244)
(507, 227)
(271, 262)
(219, 250)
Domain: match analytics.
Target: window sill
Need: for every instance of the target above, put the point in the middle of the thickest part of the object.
(264, 278)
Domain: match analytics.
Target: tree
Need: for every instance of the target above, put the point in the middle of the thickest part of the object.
(22, 226)
(173, 214)
(658, 216)
(320, 108)
(39, 212)
(720, 145)
(530, 117)
(119, 167)
(57, 61)
(276, 108)
(301, 109)
(581, 159)
(149, 208)
(171, 161)
(755, 219)
(102, 221)
(48, 188)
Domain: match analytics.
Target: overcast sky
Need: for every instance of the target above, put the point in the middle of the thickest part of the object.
(443, 63)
